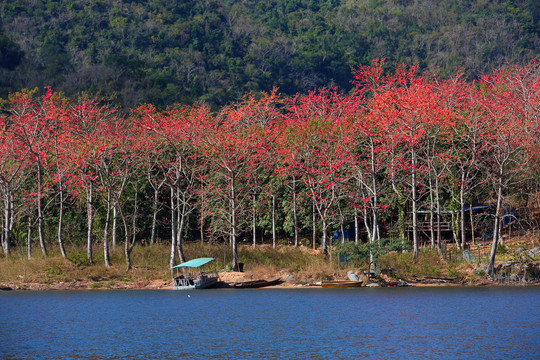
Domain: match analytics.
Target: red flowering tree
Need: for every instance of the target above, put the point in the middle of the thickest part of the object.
(85, 121)
(510, 100)
(317, 143)
(180, 130)
(232, 149)
(407, 104)
(14, 163)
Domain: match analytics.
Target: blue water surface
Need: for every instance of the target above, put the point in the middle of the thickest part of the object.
(395, 323)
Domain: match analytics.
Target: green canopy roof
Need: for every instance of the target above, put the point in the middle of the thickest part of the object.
(194, 263)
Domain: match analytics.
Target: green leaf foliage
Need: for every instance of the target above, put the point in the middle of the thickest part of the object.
(214, 51)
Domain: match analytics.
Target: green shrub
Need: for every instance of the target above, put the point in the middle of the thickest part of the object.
(78, 258)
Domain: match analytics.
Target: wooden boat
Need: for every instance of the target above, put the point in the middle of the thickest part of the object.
(257, 283)
(341, 284)
(192, 276)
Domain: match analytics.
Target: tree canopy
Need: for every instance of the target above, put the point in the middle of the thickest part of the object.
(211, 51)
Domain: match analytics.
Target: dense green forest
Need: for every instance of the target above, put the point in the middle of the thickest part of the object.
(210, 51)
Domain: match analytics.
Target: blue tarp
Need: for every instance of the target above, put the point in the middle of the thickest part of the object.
(194, 263)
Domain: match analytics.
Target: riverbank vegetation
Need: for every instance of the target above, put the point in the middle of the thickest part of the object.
(297, 266)
(402, 156)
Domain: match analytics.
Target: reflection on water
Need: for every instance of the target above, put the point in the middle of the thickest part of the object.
(398, 323)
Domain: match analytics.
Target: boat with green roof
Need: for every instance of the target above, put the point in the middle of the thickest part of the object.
(195, 274)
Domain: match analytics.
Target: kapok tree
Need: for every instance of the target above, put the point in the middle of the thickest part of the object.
(510, 100)
(33, 126)
(317, 143)
(154, 152)
(115, 164)
(14, 165)
(230, 149)
(465, 147)
(61, 151)
(85, 119)
(179, 130)
(406, 103)
(370, 149)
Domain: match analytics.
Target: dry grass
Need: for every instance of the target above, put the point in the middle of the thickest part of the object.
(150, 265)
(152, 262)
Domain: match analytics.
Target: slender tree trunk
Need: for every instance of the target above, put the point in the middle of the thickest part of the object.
(129, 244)
(12, 212)
(114, 235)
(154, 217)
(134, 218)
(438, 200)
(295, 214)
(29, 237)
(2, 230)
(40, 211)
(173, 229)
(90, 219)
(367, 226)
(472, 222)
(462, 210)
(401, 203)
(127, 251)
(179, 235)
(375, 232)
(314, 224)
(254, 222)
(274, 235)
(60, 222)
(201, 228)
(402, 216)
(496, 226)
(455, 230)
(414, 206)
(342, 226)
(356, 227)
(431, 214)
(181, 214)
(233, 224)
(202, 215)
(106, 232)
(7, 225)
(324, 236)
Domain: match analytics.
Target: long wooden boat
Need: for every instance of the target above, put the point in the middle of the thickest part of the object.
(193, 276)
(257, 283)
(341, 284)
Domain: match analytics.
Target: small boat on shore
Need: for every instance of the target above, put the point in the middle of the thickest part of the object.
(192, 276)
(341, 284)
(257, 283)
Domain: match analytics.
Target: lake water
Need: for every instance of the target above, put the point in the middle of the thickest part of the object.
(391, 323)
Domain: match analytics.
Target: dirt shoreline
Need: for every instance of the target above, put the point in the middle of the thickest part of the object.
(226, 282)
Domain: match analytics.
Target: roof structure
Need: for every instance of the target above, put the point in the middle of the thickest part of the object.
(194, 263)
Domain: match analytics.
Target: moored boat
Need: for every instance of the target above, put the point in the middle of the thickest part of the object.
(195, 275)
(341, 284)
(257, 283)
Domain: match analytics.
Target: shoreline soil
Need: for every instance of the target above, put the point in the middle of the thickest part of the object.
(298, 267)
(227, 279)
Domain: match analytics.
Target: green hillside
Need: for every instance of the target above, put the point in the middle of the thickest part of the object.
(213, 51)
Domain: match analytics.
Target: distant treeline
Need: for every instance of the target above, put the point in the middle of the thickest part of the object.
(166, 52)
(291, 167)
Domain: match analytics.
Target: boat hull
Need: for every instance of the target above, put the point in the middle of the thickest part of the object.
(341, 284)
(257, 283)
(199, 283)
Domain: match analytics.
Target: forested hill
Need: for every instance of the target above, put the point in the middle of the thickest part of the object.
(166, 52)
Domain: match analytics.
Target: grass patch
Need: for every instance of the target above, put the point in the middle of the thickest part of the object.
(428, 263)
